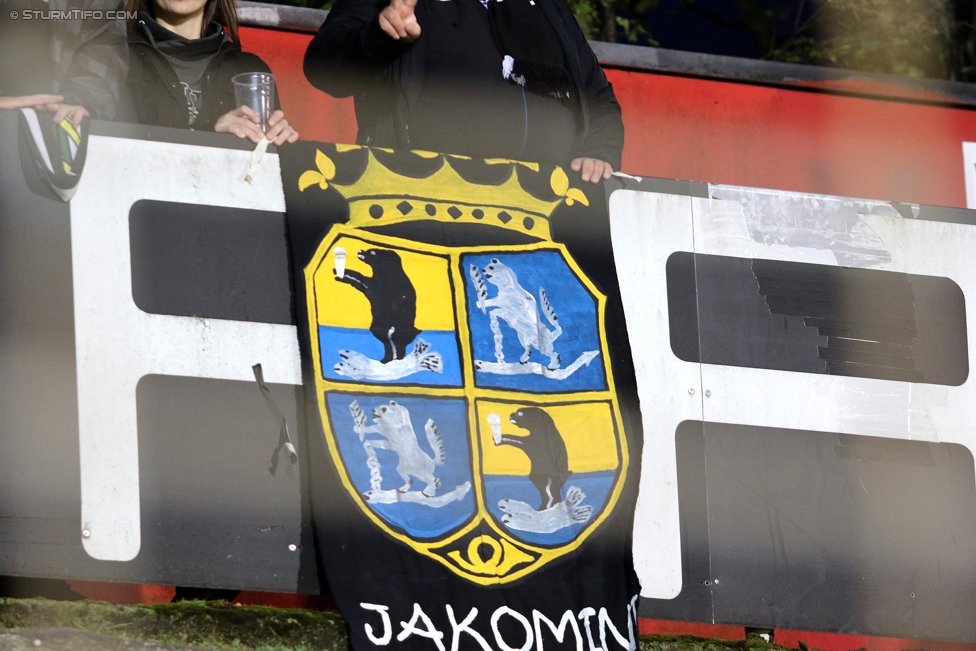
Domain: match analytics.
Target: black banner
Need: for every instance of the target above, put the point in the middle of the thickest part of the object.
(470, 399)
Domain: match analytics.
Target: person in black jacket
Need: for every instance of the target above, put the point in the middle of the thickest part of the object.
(486, 78)
(181, 64)
(71, 66)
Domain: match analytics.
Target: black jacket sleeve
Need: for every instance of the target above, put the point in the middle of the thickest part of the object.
(94, 58)
(604, 137)
(351, 50)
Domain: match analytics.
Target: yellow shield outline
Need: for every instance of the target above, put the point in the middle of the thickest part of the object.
(450, 549)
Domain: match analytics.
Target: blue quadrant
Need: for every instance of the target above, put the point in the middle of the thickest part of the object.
(596, 486)
(573, 304)
(333, 339)
(417, 520)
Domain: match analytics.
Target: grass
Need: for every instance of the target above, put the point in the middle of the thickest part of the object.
(220, 625)
(212, 624)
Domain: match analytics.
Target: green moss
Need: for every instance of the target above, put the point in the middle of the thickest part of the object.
(691, 643)
(212, 624)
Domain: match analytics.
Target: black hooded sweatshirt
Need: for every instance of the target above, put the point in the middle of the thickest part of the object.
(181, 83)
(445, 92)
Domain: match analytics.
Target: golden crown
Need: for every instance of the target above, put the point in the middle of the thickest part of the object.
(381, 196)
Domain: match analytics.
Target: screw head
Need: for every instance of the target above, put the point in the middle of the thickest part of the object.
(292, 547)
(85, 533)
(708, 393)
(691, 390)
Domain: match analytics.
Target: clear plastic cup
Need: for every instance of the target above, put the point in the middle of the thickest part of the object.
(256, 90)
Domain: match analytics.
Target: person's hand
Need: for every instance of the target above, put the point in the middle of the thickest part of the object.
(75, 113)
(593, 170)
(399, 21)
(49, 102)
(279, 131)
(243, 122)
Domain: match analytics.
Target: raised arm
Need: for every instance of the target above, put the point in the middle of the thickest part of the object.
(358, 42)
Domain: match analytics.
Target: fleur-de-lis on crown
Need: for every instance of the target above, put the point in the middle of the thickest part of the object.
(560, 185)
(326, 172)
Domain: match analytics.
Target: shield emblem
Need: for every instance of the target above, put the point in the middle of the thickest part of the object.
(465, 392)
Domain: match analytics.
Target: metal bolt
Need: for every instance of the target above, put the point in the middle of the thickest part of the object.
(292, 547)
(691, 390)
(708, 393)
(85, 533)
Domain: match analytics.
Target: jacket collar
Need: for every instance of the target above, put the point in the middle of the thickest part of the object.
(149, 32)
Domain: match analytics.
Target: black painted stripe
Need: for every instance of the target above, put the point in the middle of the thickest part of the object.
(210, 261)
(821, 319)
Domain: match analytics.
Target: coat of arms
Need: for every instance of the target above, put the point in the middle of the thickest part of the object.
(465, 391)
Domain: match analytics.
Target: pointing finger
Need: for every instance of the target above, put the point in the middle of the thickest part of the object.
(388, 28)
(397, 21)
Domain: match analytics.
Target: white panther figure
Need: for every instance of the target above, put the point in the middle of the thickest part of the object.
(516, 307)
(393, 424)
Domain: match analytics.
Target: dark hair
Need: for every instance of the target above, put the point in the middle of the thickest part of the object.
(224, 12)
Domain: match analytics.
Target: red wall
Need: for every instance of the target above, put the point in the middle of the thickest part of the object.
(314, 114)
(723, 132)
(758, 136)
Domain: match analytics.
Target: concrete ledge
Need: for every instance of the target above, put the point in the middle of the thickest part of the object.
(263, 14)
(652, 59)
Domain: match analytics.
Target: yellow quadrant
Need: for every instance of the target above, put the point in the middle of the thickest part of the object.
(340, 305)
(586, 428)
